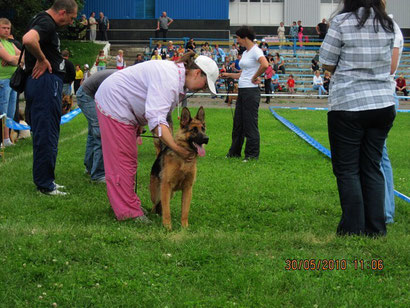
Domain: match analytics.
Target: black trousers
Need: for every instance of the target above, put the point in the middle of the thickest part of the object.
(405, 92)
(43, 106)
(356, 143)
(103, 35)
(245, 124)
(163, 34)
(268, 89)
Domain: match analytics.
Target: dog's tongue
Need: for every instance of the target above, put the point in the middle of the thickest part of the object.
(200, 149)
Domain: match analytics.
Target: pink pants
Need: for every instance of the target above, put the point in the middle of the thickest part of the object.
(119, 146)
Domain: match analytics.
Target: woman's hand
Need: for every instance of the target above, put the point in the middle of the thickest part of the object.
(256, 80)
(185, 154)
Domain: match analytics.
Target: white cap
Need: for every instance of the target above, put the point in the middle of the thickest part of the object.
(86, 65)
(263, 40)
(255, 40)
(209, 67)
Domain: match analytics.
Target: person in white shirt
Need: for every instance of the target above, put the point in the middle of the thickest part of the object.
(245, 124)
(318, 83)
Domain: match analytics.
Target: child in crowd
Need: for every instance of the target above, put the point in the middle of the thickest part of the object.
(268, 81)
(175, 57)
(291, 84)
(156, 56)
(233, 52)
(170, 49)
(318, 83)
(120, 60)
(101, 61)
(86, 72)
(79, 75)
(326, 81)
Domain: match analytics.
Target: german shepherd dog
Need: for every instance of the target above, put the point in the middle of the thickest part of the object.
(67, 104)
(171, 172)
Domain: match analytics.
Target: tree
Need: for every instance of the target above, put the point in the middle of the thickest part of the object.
(20, 12)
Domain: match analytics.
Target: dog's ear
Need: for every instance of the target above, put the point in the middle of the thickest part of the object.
(185, 117)
(71, 97)
(200, 114)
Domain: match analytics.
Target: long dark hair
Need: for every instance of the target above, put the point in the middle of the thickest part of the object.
(379, 8)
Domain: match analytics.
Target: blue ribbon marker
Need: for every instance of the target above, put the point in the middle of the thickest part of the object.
(312, 141)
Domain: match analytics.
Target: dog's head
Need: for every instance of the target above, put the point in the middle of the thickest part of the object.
(67, 103)
(193, 130)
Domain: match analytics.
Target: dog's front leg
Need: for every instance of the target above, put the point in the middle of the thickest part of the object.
(166, 192)
(186, 203)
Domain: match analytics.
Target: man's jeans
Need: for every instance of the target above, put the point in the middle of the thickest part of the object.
(8, 98)
(93, 159)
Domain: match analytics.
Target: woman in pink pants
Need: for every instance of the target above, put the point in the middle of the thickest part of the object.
(142, 95)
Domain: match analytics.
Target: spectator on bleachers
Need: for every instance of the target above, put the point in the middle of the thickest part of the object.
(233, 52)
(139, 59)
(315, 66)
(326, 81)
(156, 56)
(280, 62)
(206, 50)
(170, 49)
(293, 32)
(401, 85)
(175, 57)
(103, 27)
(83, 24)
(237, 67)
(268, 81)
(281, 34)
(316, 57)
(275, 81)
(291, 84)
(264, 46)
(190, 45)
(300, 33)
(219, 54)
(321, 29)
(318, 83)
(162, 52)
(181, 50)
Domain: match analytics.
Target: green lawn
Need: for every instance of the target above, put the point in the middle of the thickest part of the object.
(81, 52)
(246, 220)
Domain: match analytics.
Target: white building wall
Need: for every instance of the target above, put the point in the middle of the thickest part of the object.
(310, 12)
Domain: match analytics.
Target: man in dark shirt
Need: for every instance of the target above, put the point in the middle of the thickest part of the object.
(69, 76)
(103, 27)
(46, 68)
(190, 46)
(321, 29)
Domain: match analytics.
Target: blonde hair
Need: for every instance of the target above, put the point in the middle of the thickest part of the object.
(120, 51)
(4, 21)
(327, 73)
(317, 72)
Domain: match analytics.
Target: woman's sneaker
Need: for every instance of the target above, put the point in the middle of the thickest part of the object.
(54, 192)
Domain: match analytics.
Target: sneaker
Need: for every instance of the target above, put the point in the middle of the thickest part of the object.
(58, 186)
(100, 180)
(142, 220)
(7, 143)
(54, 192)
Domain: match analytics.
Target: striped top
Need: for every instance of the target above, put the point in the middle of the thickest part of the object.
(363, 59)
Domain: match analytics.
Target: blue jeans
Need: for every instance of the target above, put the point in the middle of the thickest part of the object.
(320, 88)
(101, 68)
(385, 167)
(93, 159)
(8, 98)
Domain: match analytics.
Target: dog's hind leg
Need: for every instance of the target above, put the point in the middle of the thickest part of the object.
(186, 203)
(166, 192)
(155, 191)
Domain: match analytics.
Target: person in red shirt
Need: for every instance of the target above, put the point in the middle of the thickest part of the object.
(291, 84)
(268, 80)
(401, 85)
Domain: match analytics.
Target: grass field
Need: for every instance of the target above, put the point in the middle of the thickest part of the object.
(246, 220)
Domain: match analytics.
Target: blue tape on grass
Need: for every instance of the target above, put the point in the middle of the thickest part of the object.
(316, 144)
(322, 109)
(64, 119)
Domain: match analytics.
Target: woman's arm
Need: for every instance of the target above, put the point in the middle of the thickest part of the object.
(262, 68)
(167, 138)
